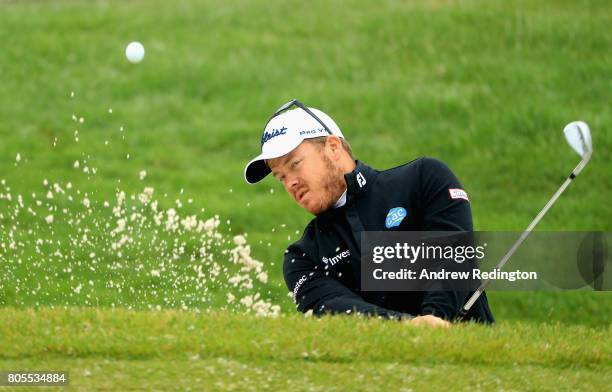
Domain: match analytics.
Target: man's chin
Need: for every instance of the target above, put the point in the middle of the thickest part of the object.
(313, 211)
(316, 209)
(310, 207)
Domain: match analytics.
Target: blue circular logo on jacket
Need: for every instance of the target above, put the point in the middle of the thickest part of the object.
(395, 217)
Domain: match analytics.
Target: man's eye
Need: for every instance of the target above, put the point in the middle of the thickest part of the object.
(295, 163)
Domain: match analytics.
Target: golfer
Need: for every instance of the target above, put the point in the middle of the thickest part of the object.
(306, 151)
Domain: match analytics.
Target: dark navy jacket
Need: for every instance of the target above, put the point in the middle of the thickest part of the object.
(323, 270)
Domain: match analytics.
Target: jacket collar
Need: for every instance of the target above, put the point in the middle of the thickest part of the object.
(359, 179)
(357, 182)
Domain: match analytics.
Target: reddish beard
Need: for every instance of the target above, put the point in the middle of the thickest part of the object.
(333, 184)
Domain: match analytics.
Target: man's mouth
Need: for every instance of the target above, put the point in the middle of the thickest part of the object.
(301, 195)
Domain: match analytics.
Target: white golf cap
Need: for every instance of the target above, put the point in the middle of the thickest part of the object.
(285, 132)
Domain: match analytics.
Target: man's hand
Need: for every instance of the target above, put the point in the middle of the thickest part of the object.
(429, 321)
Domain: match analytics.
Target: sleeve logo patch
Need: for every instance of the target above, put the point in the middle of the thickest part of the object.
(456, 193)
(395, 217)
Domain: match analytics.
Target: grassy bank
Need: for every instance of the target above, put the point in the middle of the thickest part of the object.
(171, 349)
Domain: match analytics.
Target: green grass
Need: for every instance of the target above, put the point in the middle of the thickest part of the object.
(485, 86)
(171, 349)
(231, 374)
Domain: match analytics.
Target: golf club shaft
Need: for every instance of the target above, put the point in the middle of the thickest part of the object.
(468, 305)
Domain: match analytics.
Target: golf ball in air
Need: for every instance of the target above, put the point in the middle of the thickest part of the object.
(134, 52)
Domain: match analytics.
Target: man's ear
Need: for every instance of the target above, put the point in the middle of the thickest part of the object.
(335, 145)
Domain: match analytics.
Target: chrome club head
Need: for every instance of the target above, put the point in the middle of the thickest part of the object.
(578, 136)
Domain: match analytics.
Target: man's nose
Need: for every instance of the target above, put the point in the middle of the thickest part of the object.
(291, 183)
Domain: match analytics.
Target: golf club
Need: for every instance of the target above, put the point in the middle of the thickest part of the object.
(578, 136)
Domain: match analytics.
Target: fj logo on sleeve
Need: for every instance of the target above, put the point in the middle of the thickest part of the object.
(456, 193)
(360, 180)
(395, 217)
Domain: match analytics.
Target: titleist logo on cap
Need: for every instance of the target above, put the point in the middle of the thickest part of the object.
(274, 133)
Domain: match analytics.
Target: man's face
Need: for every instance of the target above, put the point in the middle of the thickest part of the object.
(310, 176)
